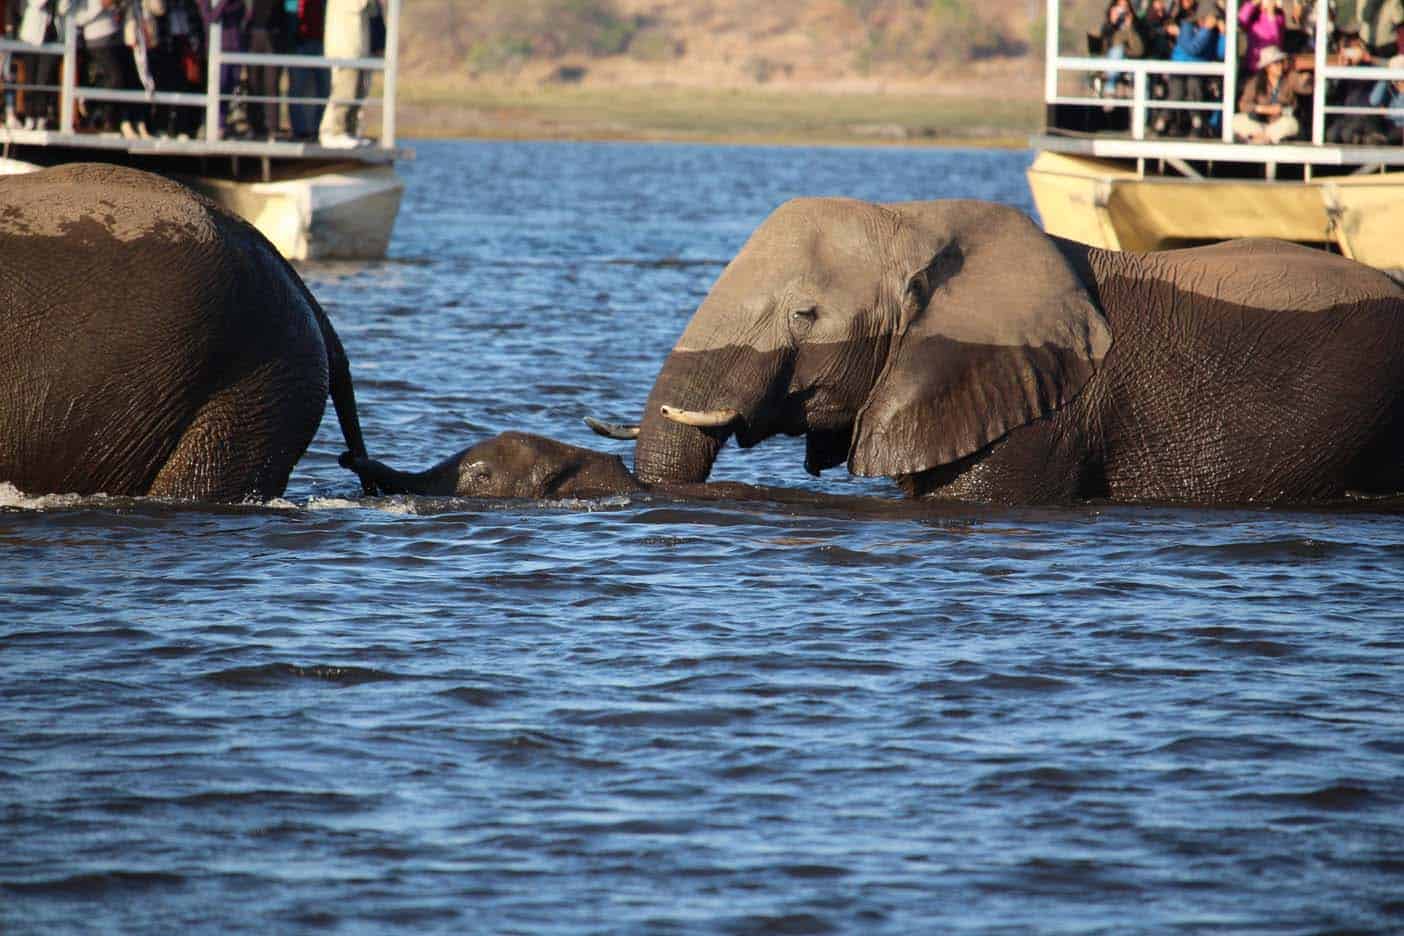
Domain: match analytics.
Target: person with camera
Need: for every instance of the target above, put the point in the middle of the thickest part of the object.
(1196, 31)
(1264, 26)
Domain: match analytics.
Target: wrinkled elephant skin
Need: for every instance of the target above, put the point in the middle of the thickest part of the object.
(151, 344)
(956, 348)
(523, 466)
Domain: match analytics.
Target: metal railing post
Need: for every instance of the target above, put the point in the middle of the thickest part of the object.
(213, 63)
(1138, 105)
(1318, 97)
(392, 67)
(1050, 52)
(1230, 72)
(68, 73)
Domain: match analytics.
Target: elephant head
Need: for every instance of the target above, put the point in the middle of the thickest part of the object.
(513, 464)
(895, 337)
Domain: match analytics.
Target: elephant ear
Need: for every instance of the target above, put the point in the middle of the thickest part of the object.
(996, 330)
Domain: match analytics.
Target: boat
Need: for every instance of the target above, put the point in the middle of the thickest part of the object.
(1104, 177)
(311, 201)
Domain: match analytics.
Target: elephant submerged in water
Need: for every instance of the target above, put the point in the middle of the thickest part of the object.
(526, 466)
(151, 344)
(531, 467)
(512, 464)
(958, 349)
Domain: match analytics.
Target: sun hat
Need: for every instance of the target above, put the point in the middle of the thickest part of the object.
(1270, 55)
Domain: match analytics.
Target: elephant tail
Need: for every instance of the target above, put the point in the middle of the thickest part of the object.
(343, 391)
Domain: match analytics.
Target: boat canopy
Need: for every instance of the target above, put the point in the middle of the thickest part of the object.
(1105, 106)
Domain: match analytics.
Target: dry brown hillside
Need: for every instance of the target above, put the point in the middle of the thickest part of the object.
(831, 44)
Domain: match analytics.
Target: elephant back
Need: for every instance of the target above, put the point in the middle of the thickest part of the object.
(1264, 273)
(96, 201)
(127, 302)
(1252, 370)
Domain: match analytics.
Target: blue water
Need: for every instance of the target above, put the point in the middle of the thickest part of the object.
(643, 716)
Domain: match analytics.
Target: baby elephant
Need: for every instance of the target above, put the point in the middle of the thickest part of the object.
(521, 465)
(513, 464)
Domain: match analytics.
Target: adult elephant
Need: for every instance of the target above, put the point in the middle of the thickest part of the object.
(151, 344)
(957, 348)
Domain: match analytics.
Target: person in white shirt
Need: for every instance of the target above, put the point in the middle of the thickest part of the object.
(347, 36)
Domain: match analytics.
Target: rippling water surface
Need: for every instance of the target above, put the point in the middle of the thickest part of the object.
(638, 715)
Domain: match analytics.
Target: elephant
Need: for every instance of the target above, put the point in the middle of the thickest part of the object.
(956, 348)
(512, 465)
(532, 467)
(151, 344)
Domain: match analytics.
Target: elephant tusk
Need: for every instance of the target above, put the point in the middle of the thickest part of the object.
(710, 419)
(612, 430)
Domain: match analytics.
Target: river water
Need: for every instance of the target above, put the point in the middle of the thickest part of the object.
(642, 716)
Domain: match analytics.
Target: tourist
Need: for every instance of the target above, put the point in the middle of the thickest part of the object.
(1389, 94)
(1349, 128)
(176, 64)
(347, 36)
(230, 16)
(1381, 22)
(1265, 108)
(1299, 27)
(266, 34)
(109, 60)
(42, 22)
(138, 36)
(1157, 30)
(1197, 40)
(1264, 25)
(1120, 40)
(308, 82)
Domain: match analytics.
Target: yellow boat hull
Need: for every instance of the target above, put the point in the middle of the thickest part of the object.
(1102, 203)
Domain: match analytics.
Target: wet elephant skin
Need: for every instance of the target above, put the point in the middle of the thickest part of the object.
(1017, 368)
(152, 344)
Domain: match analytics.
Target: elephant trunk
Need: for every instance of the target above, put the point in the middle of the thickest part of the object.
(668, 450)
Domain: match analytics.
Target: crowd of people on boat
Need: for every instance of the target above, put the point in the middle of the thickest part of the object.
(160, 46)
(1277, 46)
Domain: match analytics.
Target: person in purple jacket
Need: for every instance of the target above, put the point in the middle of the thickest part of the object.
(1264, 24)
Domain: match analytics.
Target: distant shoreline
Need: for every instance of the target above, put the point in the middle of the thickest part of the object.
(777, 116)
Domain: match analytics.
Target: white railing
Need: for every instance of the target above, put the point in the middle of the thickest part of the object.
(1325, 72)
(70, 91)
(1140, 70)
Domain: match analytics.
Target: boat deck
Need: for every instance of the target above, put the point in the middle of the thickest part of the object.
(199, 147)
(1130, 160)
(311, 201)
(1200, 158)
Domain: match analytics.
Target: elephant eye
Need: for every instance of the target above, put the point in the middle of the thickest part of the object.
(807, 314)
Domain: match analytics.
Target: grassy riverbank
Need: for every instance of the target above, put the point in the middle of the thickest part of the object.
(737, 115)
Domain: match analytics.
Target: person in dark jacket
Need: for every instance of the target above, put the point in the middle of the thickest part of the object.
(266, 34)
(308, 82)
